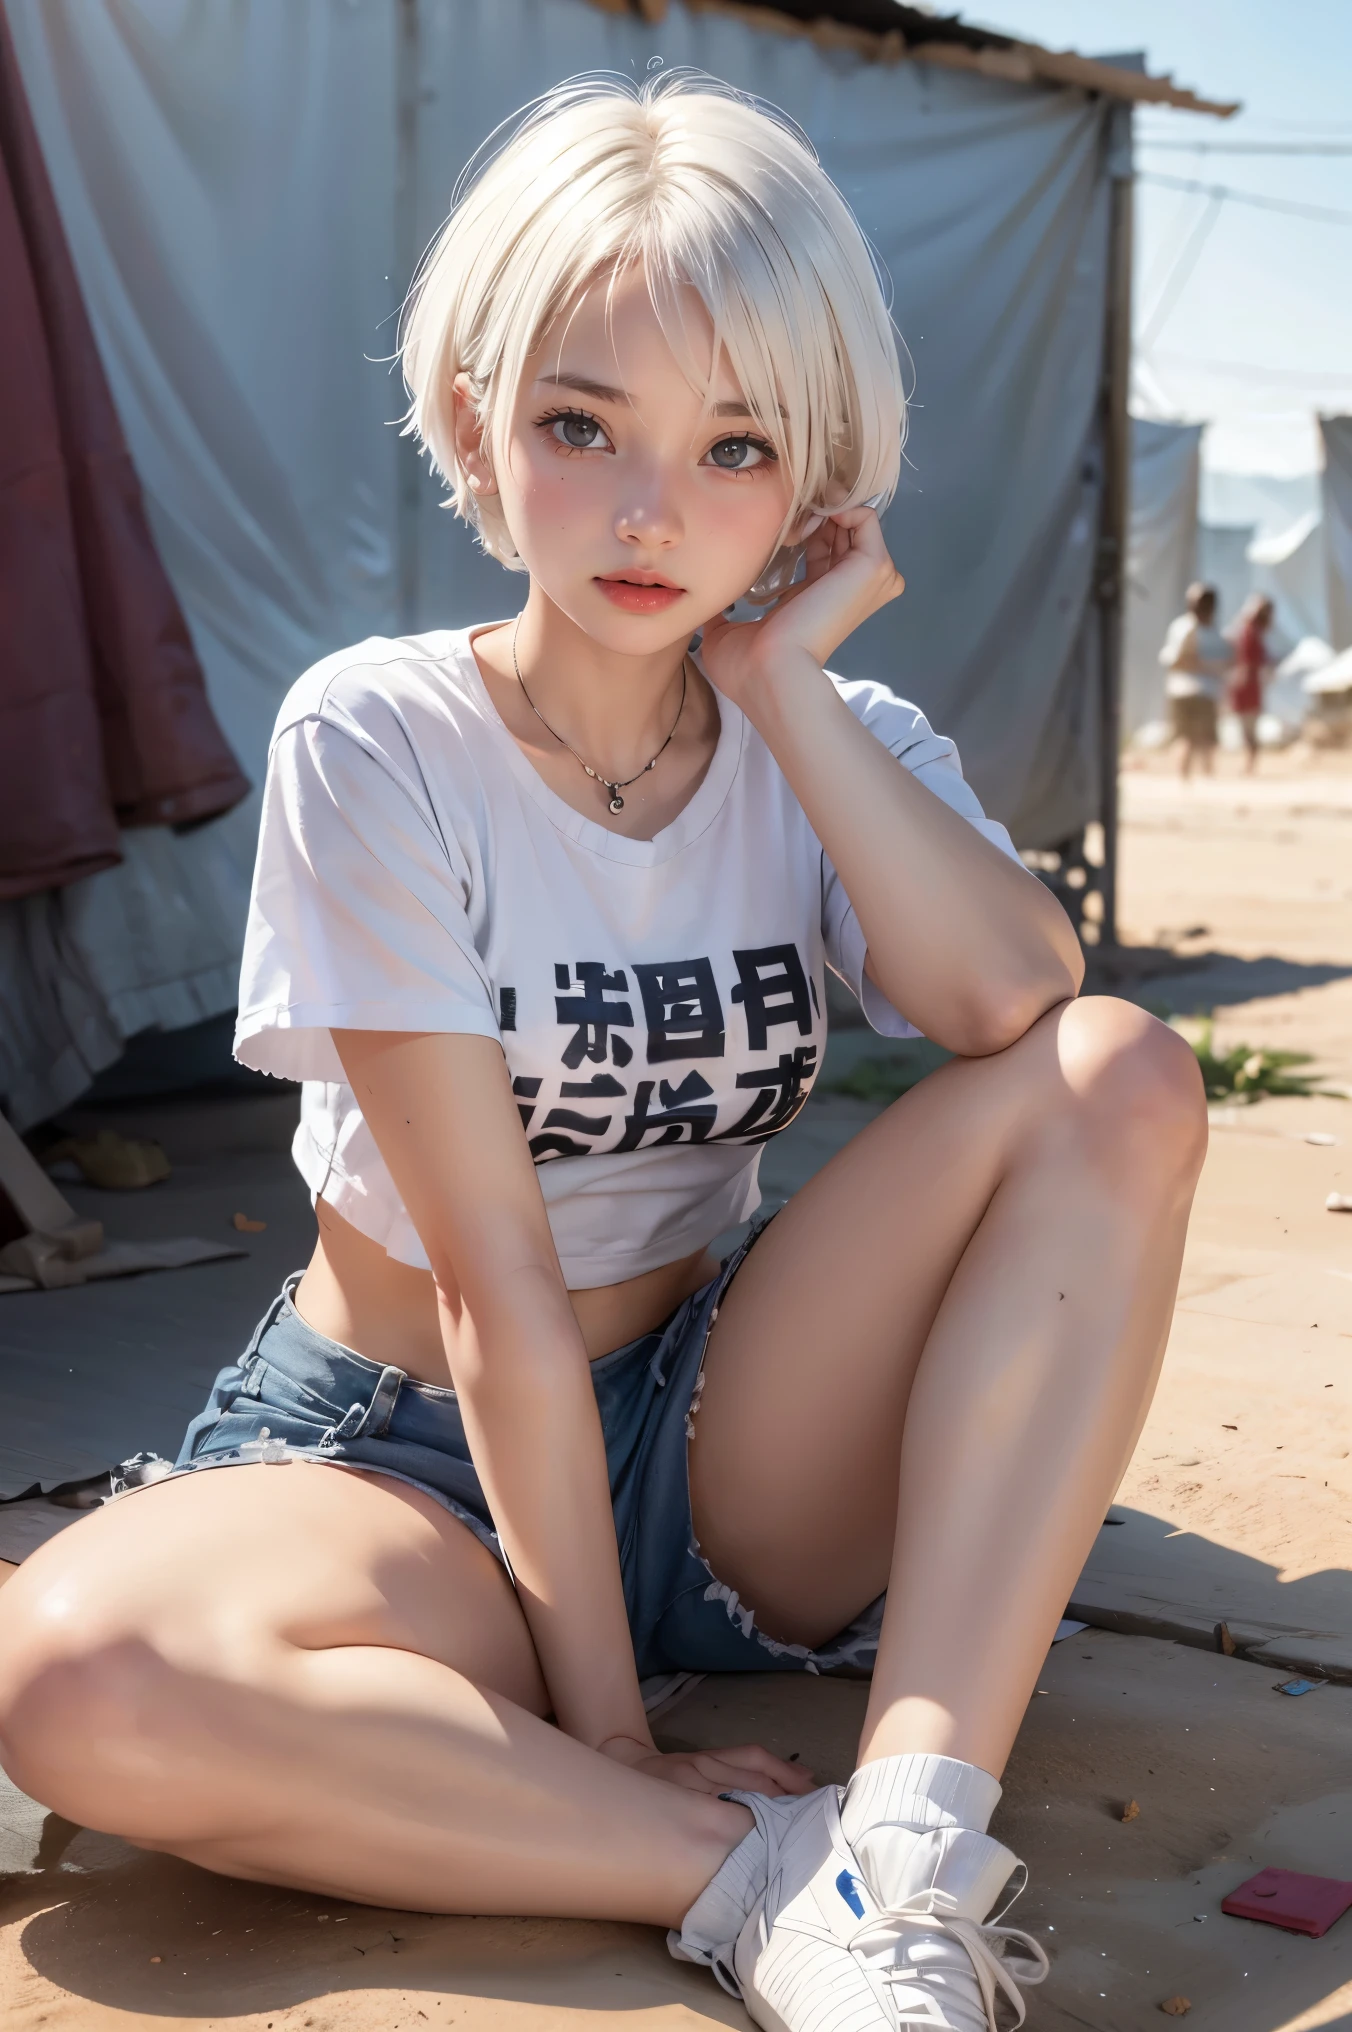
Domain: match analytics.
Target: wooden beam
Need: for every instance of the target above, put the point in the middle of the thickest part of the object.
(1020, 63)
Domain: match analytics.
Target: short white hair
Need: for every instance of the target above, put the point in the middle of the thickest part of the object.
(704, 187)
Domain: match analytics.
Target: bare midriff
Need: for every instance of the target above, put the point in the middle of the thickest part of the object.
(387, 1311)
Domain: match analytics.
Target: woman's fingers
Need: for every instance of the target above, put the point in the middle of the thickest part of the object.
(757, 1769)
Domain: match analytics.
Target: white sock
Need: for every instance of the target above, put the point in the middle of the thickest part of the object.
(914, 1793)
(719, 1913)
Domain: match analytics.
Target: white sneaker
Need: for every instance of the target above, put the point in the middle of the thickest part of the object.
(817, 1952)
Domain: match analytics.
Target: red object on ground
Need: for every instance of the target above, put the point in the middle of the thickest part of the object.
(1288, 1898)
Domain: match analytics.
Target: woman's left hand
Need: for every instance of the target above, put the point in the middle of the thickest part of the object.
(849, 576)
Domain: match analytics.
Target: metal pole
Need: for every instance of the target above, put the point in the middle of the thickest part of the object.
(1115, 510)
(408, 474)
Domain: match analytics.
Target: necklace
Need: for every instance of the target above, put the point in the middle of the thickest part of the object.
(616, 801)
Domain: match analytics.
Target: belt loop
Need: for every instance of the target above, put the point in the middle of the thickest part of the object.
(381, 1408)
(269, 1318)
(370, 1421)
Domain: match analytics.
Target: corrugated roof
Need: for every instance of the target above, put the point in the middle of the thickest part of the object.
(888, 32)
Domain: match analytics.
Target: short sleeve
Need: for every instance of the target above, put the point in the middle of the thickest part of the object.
(933, 760)
(358, 918)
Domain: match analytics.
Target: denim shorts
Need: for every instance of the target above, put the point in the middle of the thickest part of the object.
(295, 1395)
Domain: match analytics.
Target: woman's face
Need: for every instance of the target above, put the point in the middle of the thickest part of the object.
(639, 514)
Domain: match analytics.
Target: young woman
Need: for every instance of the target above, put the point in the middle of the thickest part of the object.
(541, 916)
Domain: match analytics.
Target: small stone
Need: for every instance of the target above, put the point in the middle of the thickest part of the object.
(1176, 2007)
(157, 1957)
(1131, 1810)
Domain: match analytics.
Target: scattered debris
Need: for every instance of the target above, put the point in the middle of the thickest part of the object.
(116, 1163)
(1295, 1687)
(245, 1226)
(52, 1247)
(1224, 1641)
(1176, 2007)
(1131, 1811)
(1291, 1899)
(1339, 1203)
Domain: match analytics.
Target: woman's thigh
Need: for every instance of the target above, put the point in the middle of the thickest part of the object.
(796, 1450)
(211, 1569)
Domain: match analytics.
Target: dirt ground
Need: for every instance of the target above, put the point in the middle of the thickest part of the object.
(1250, 1440)
(1236, 1508)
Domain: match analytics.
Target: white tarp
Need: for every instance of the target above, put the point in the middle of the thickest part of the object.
(246, 188)
(1292, 570)
(1165, 466)
(1223, 562)
(1336, 432)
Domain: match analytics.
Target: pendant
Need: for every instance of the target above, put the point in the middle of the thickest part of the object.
(617, 802)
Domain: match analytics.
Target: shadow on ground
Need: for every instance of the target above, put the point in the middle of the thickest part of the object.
(1183, 983)
(1146, 1577)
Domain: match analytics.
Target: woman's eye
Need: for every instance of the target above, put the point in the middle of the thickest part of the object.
(738, 454)
(581, 433)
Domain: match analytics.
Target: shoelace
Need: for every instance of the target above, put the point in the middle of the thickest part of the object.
(985, 1946)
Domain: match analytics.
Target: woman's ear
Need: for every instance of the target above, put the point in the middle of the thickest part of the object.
(469, 439)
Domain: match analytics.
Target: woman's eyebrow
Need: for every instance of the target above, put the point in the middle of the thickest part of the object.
(598, 390)
(601, 391)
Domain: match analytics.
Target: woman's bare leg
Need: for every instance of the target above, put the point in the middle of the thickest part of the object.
(969, 1305)
(322, 1679)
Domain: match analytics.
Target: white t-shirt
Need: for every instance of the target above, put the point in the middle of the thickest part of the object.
(1204, 647)
(660, 1003)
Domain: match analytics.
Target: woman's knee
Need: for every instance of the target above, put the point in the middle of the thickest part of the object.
(96, 1721)
(1130, 1085)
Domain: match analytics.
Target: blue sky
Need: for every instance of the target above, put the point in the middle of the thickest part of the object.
(1260, 333)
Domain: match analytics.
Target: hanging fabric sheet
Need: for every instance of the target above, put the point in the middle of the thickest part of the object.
(1161, 556)
(1336, 432)
(104, 720)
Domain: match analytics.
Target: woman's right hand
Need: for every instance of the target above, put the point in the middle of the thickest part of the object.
(747, 1768)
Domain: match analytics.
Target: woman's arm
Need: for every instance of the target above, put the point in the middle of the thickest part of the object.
(970, 945)
(965, 941)
(441, 1110)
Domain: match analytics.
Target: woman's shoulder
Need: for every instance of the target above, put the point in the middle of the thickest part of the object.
(392, 691)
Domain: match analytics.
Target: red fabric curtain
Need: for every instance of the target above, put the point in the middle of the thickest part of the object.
(104, 717)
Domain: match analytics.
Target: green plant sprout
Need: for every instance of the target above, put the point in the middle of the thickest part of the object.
(1244, 1074)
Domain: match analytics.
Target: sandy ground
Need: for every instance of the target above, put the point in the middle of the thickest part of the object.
(1237, 1507)
(1249, 1444)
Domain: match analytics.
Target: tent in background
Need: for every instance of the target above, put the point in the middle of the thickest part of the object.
(246, 190)
(1223, 562)
(1292, 570)
(1165, 466)
(1336, 432)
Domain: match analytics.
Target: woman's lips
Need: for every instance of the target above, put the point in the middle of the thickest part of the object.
(636, 599)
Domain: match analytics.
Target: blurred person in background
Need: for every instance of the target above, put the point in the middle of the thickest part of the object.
(1251, 672)
(1197, 658)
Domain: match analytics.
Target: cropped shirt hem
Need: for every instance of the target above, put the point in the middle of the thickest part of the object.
(712, 1216)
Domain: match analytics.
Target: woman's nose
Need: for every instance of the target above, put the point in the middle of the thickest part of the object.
(649, 514)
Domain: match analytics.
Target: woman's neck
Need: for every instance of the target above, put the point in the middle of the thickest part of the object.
(614, 709)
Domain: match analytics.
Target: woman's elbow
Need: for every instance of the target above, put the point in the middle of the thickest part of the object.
(1003, 1012)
